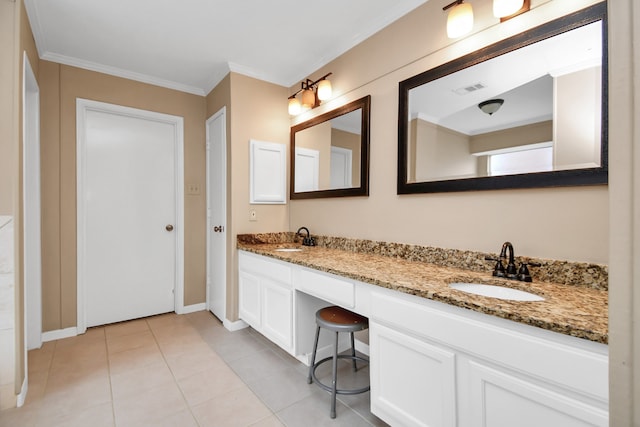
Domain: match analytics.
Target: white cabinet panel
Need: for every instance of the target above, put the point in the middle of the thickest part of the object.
(265, 267)
(268, 172)
(249, 301)
(498, 399)
(266, 297)
(277, 313)
(412, 382)
(327, 287)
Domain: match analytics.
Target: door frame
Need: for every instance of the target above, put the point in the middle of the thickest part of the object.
(32, 207)
(82, 107)
(223, 198)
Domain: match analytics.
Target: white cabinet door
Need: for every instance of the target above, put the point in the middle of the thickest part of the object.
(266, 298)
(277, 313)
(498, 399)
(412, 382)
(249, 299)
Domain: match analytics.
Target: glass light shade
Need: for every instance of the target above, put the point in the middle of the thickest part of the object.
(294, 106)
(491, 106)
(502, 8)
(308, 98)
(324, 90)
(460, 20)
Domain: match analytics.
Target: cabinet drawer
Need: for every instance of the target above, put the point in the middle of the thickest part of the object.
(327, 287)
(271, 269)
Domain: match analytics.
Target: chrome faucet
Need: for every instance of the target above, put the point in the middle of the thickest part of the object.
(308, 240)
(511, 265)
(511, 272)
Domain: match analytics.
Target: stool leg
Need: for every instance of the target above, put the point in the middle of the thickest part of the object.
(334, 382)
(353, 352)
(313, 356)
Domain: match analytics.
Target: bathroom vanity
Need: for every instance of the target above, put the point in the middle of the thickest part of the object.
(439, 356)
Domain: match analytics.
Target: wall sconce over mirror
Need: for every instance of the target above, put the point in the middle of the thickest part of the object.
(312, 93)
(459, 19)
(529, 111)
(330, 153)
(507, 9)
(460, 16)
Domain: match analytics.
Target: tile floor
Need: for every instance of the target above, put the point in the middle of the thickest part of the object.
(182, 371)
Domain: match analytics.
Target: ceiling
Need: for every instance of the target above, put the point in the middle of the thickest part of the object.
(522, 78)
(191, 45)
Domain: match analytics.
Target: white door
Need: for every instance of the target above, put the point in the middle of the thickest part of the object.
(307, 169)
(128, 214)
(217, 213)
(341, 168)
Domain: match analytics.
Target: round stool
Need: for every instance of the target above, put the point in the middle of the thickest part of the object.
(337, 319)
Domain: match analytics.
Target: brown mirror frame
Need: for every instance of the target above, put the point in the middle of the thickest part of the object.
(575, 177)
(363, 189)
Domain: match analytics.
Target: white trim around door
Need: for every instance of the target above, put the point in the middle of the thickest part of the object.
(83, 106)
(216, 133)
(32, 208)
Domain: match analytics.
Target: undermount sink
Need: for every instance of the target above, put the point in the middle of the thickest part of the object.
(288, 250)
(496, 292)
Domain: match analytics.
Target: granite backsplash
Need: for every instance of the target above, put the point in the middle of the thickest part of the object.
(588, 275)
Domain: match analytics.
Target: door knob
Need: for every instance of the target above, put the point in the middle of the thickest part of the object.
(169, 227)
(218, 229)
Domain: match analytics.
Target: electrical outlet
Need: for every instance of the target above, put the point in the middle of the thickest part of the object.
(253, 215)
(193, 189)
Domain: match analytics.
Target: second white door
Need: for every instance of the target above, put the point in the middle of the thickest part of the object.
(128, 216)
(217, 214)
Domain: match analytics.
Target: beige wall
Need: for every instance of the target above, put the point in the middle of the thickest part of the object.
(16, 39)
(440, 153)
(255, 110)
(559, 223)
(577, 135)
(258, 111)
(60, 86)
(514, 137)
(7, 107)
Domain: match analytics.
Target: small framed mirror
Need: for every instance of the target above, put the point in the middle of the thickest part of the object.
(529, 111)
(330, 153)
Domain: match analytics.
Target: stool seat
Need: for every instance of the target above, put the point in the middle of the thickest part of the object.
(337, 319)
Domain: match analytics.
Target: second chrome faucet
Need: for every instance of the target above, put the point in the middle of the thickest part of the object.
(308, 240)
(511, 271)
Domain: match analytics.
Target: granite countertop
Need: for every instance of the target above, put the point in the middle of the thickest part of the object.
(572, 310)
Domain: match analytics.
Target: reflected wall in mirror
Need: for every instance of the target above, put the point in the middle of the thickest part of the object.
(330, 153)
(529, 111)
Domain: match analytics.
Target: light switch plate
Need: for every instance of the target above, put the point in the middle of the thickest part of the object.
(193, 189)
(253, 215)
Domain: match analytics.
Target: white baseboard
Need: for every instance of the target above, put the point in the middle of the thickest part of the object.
(23, 393)
(59, 334)
(235, 326)
(193, 308)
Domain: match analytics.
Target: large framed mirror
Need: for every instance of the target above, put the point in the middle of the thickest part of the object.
(529, 111)
(330, 153)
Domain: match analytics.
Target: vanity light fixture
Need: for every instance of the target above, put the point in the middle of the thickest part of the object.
(491, 106)
(507, 9)
(313, 93)
(460, 19)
